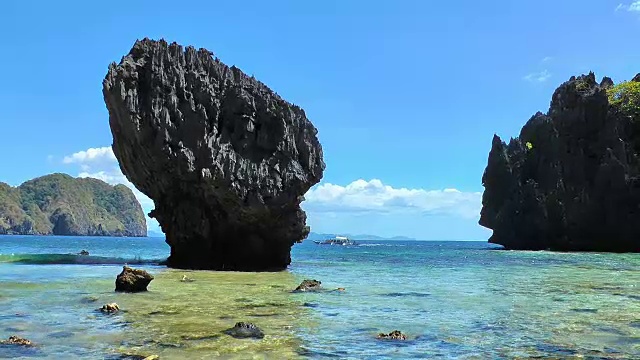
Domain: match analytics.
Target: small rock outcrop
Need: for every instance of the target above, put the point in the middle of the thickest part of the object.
(571, 180)
(309, 285)
(15, 340)
(110, 308)
(225, 159)
(84, 253)
(243, 330)
(394, 335)
(185, 278)
(133, 280)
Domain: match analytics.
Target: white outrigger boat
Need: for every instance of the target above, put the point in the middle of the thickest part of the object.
(338, 240)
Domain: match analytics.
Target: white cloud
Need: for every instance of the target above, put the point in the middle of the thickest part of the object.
(360, 198)
(632, 7)
(538, 77)
(546, 59)
(374, 196)
(91, 155)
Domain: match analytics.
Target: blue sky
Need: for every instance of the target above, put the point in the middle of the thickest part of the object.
(406, 95)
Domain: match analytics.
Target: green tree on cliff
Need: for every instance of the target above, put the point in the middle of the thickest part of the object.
(626, 96)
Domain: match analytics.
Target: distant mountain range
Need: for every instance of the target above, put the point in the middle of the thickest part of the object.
(320, 236)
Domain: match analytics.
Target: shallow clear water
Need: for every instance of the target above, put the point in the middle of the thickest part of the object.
(458, 300)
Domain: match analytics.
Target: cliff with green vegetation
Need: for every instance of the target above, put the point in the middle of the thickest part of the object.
(571, 180)
(59, 204)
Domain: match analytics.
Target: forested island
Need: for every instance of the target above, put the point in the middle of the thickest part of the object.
(59, 204)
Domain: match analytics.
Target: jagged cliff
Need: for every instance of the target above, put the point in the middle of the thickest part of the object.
(571, 180)
(225, 159)
(59, 204)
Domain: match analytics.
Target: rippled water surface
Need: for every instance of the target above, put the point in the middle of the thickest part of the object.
(458, 300)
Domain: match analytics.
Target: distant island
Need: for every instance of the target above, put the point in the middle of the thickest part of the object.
(320, 236)
(59, 204)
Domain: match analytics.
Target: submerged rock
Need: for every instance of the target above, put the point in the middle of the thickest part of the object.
(89, 299)
(309, 285)
(138, 357)
(16, 340)
(133, 280)
(245, 330)
(394, 335)
(110, 308)
(571, 180)
(225, 159)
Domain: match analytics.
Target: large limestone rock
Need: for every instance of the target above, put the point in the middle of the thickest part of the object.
(571, 180)
(225, 159)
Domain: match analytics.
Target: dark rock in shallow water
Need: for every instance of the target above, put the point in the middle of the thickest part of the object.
(394, 335)
(225, 159)
(133, 280)
(245, 330)
(110, 308)
(16, 340)
(571, 180)
(309, 285)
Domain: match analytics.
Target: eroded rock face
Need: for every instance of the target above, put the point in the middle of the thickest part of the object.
(225, 159)
(571, 180)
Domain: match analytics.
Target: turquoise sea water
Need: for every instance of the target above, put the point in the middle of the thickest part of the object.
(455, 300)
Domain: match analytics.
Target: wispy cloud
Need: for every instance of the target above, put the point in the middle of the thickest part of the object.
(632, 7)
(374, 196)
(540, 77)
(546, 59)
(90, 155)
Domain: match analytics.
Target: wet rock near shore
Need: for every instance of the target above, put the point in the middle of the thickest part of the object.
(394, 335)
(110, 308)
(16, 340)
(225, 159)
(309, 285)
(243, 330)
(133, 280)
